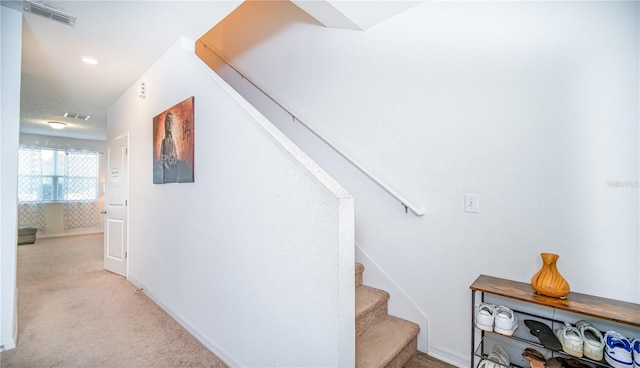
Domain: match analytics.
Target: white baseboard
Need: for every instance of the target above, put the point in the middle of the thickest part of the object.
(449, 357)
(227, 358)
(15, 320)
(11, 344)
(71, 233)
(8, 345)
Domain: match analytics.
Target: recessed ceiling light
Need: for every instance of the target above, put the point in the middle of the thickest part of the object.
(90, 60)
(57, 124)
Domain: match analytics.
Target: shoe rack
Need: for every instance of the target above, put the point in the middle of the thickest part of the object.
(527, 304)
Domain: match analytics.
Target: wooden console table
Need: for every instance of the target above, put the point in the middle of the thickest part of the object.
(596, 307)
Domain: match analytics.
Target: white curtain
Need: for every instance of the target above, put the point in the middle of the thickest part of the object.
(30, 189)
(69, 177)
(80, 190)
(30, 185)
(32, 214)
(81, 214)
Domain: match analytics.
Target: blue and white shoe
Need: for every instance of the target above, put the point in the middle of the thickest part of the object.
(635, 347)
(617, 350)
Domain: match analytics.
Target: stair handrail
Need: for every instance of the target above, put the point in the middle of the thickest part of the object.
(405, 203)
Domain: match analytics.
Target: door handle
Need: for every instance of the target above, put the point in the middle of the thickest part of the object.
(103, 212)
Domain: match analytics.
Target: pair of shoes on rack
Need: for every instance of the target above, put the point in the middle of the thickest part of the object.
(497, 358)
(498, 318)
(584, 339)
(537, 360)
(620, 352)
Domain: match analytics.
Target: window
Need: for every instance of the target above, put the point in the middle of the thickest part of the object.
(57, 176)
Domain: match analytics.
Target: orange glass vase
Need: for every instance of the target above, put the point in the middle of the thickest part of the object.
(548, 281)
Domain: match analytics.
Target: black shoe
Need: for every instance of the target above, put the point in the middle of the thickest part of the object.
(544, 334)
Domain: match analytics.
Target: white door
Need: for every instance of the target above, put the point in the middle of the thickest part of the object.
(116, 198)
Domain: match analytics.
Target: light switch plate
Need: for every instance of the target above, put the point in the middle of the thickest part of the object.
(471, 203)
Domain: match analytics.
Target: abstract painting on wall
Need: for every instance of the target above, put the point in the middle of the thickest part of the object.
(173, 144)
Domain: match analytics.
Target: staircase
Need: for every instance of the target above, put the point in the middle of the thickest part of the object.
(382, 340)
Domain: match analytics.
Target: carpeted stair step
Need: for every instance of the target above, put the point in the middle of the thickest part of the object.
(389, 343)
(371, 305)
(359, 271)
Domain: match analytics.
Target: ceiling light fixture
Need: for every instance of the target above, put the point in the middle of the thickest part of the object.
(57, 124)
(90, 60)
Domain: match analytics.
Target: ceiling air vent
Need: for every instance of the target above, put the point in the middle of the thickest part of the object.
(50, 13)
(75, 115)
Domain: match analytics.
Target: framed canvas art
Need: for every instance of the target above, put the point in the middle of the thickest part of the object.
(173, 144)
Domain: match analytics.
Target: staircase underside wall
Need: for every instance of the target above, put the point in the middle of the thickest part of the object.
(256, 256)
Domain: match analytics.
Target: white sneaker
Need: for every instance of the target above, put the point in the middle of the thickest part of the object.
(505, 321)
(617, 350)
(484, 316)
(499, 355)
(635, 348)
(485, 363)
(593, 342)
(570, 340)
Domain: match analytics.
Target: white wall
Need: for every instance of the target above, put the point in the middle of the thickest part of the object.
(534, 106)
(11, 55)
(54, 212)
(256, 257)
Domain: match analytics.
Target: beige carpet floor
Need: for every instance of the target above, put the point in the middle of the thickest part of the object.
(72, 313)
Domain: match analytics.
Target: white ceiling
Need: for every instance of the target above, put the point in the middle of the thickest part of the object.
(358, 15)
(126, 36)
